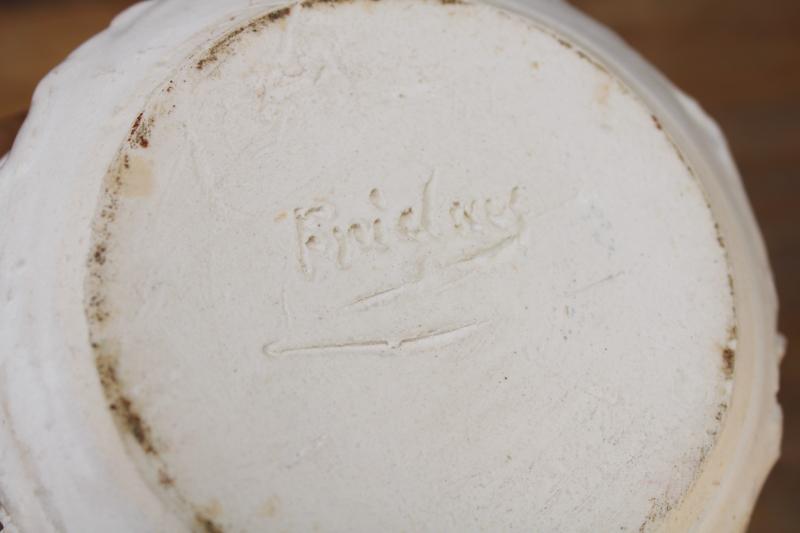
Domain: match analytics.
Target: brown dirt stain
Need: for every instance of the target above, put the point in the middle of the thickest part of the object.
(122, 407)
(206, 518)
(136, 177)
(164, 479)
(206, 524)
(729, 354)
(224, 45)
(657, 123)
(139, 136)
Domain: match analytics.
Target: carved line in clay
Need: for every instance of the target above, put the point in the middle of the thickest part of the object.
(430, 338)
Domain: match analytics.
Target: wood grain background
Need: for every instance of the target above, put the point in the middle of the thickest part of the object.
(739, 58)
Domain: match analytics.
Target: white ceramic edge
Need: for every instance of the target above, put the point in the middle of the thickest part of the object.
(58, 455)
(725, 491)
(47, 208)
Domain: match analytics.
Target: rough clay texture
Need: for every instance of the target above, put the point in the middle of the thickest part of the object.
(376, 266)
(408, 266)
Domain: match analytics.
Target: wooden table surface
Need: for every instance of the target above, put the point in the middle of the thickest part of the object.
(739, 58)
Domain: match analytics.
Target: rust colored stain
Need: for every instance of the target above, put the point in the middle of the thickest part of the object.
(657, 123)
(206, 524)
(140, 131)
(225, 44)
(728, 358)
(125, 413)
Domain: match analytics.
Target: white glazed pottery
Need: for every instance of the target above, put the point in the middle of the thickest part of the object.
(360, 266)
